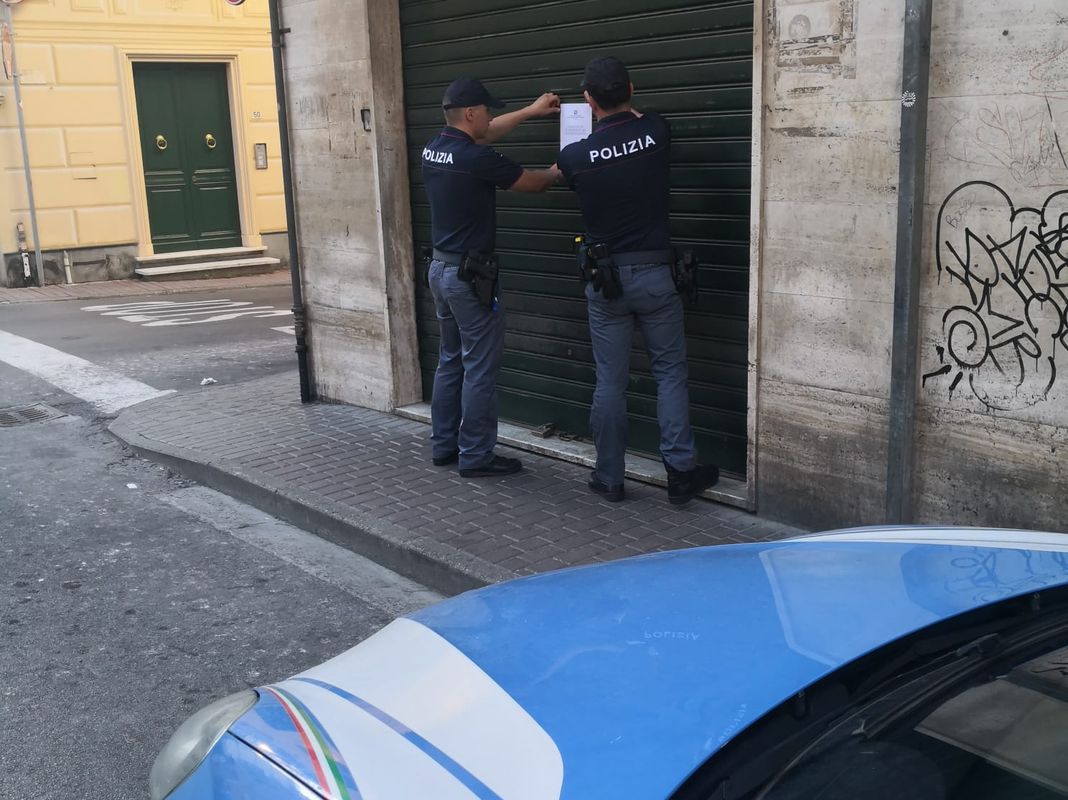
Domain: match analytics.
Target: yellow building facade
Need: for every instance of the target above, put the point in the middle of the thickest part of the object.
(84, 66)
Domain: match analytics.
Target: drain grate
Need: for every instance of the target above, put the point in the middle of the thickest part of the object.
(23, 415)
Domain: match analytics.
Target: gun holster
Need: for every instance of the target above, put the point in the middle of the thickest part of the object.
(424, 273)
(481, 271)
(597, 269)
(684, 273)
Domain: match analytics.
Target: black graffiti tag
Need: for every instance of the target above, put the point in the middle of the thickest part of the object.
(1009, 269)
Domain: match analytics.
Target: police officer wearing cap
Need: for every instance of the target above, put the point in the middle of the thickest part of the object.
(462, 175)
(621, 173)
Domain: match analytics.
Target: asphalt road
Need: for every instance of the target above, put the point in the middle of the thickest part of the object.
(170, 341)
(129, 597)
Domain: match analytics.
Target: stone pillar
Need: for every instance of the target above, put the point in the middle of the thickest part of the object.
(343, 74)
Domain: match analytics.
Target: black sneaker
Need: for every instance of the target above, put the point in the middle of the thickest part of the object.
(612, 494)
(496, 468)
(444, 461)
(685, 486)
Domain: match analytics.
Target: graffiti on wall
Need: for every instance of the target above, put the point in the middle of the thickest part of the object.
(1025, 136)
(1003, 339)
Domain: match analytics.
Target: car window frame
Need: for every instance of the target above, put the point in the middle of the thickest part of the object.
(774, 740)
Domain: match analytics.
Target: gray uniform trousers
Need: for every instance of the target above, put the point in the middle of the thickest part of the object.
(650, 298)
(464, 406)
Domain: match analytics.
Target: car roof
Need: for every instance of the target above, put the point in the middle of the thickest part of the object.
(620, 679)
(640, 669)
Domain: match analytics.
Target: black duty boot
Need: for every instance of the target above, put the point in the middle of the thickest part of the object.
(496, 468)
(685, 486)
(444, 461)
(612, 494)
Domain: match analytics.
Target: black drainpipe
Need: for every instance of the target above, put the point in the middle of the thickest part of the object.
(916, 68)
(277, 32)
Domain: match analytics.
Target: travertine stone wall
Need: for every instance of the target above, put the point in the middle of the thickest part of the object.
(993, 415)
(353, 213)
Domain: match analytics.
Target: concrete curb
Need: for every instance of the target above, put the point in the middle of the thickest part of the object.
(442, 568)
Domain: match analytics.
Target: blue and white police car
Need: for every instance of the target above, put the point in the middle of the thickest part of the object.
(917, 663)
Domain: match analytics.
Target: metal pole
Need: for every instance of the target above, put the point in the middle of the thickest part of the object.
(38, 263)
(911, 178)
(277, 32)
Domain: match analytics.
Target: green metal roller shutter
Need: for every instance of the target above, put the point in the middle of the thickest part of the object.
(690, 61)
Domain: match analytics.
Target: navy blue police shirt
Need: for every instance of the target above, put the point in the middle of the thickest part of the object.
(621, 173)
(461, 179)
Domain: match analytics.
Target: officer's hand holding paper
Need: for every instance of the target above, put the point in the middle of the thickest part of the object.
(499, 127)
(548, 103)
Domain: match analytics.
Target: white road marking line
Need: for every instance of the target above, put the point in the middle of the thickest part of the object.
(352, 573)
(166, 313)
(252, 312)
(121, 308)
(289, 329)
(108, 391)
(153, 314)
(163, 313)
(185, 312)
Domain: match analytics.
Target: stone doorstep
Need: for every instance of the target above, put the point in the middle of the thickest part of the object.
(185, 256)
(728, 491)
(243, 266)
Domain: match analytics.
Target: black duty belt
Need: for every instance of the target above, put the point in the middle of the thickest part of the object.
(635, 257)
(452, 259)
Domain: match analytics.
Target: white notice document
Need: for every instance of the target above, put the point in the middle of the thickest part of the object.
(576, 123)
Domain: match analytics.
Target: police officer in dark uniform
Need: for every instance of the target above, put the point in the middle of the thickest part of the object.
(621, 173)
(462, 175)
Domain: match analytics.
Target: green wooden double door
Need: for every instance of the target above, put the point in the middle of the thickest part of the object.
(690, 60)
(187, 145)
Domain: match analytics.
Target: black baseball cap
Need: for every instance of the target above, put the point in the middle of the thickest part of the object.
(605, 74)
(466, 92)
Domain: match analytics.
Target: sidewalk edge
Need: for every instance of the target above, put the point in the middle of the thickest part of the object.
(439, 567)
(131, 287)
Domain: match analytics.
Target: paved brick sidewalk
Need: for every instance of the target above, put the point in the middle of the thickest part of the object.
(365, 479)
(138, 288)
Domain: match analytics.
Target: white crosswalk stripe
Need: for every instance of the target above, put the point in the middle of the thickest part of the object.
(106, 390)
(165, 313)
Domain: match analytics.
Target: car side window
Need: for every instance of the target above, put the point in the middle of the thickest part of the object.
(1001, 734)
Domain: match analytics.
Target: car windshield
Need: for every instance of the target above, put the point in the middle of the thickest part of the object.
(999, 732)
